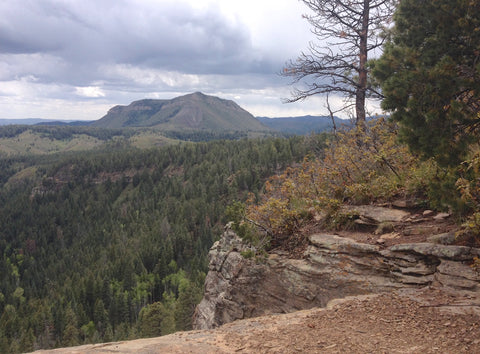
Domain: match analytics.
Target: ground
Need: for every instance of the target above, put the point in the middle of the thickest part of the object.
(408, 321)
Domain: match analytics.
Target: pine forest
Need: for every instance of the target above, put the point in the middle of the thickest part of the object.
(112, 244)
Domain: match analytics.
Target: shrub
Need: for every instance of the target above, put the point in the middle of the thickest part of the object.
(362, 165)
(469, 187)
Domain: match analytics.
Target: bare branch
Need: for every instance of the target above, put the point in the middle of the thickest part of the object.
(332, 116)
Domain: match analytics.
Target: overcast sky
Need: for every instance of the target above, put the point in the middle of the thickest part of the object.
(75, 59)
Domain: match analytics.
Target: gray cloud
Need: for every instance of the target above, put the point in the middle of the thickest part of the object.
(77, 38)
(84, 56)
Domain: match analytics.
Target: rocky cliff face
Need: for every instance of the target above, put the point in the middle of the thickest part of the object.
(332, 267)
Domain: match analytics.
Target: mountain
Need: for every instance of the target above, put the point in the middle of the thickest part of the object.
(301, 125)
(195, 111)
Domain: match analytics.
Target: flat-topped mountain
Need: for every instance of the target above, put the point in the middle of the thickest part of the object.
(195, 111)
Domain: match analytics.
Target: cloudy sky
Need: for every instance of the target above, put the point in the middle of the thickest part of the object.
(75, 59)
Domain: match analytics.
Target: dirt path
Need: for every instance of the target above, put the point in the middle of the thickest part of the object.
(411, 321)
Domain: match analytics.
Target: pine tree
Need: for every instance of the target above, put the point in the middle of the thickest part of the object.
(188, 298)
(430, 76)
(150, 320)
(71, 333)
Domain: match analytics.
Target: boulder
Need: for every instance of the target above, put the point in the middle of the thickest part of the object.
(377, 213)
(443, 239)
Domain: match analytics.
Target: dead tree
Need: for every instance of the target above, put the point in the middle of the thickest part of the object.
(347, 31)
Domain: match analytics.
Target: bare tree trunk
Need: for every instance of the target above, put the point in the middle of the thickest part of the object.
(360, 95)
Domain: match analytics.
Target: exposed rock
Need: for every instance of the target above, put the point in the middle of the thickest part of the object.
(226, 266)
(455, 253)
(389, 236)
(401, 204)
(443, 239)
(441, 216)
(331, 267)
(428, 213)
(378, 214)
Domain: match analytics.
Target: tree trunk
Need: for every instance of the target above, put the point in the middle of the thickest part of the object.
(362, 66)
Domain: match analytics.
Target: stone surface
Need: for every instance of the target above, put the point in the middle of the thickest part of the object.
(443, 239)
(331, 267)
(441, 216)
(428, 213)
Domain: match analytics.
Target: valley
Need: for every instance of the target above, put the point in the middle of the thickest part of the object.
(107, 228)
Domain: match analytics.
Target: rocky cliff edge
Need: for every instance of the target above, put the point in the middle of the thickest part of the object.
(331, 267)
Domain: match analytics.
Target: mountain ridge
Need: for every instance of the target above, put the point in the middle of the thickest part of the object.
(302, 125)
(193, 113)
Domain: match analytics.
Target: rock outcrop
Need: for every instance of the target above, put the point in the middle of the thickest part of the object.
(331, 267)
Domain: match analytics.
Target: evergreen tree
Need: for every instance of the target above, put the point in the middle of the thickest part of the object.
(71, 333)
(189, 296)
(430, 76)
(150, 320)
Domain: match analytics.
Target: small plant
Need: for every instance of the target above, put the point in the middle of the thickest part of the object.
(470, 231)
(341, 220)
(248, 254)
(384, 227)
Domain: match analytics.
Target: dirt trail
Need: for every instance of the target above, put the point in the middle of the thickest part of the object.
(408, 321)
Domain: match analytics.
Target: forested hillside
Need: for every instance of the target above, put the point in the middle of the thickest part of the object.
(112, 245)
